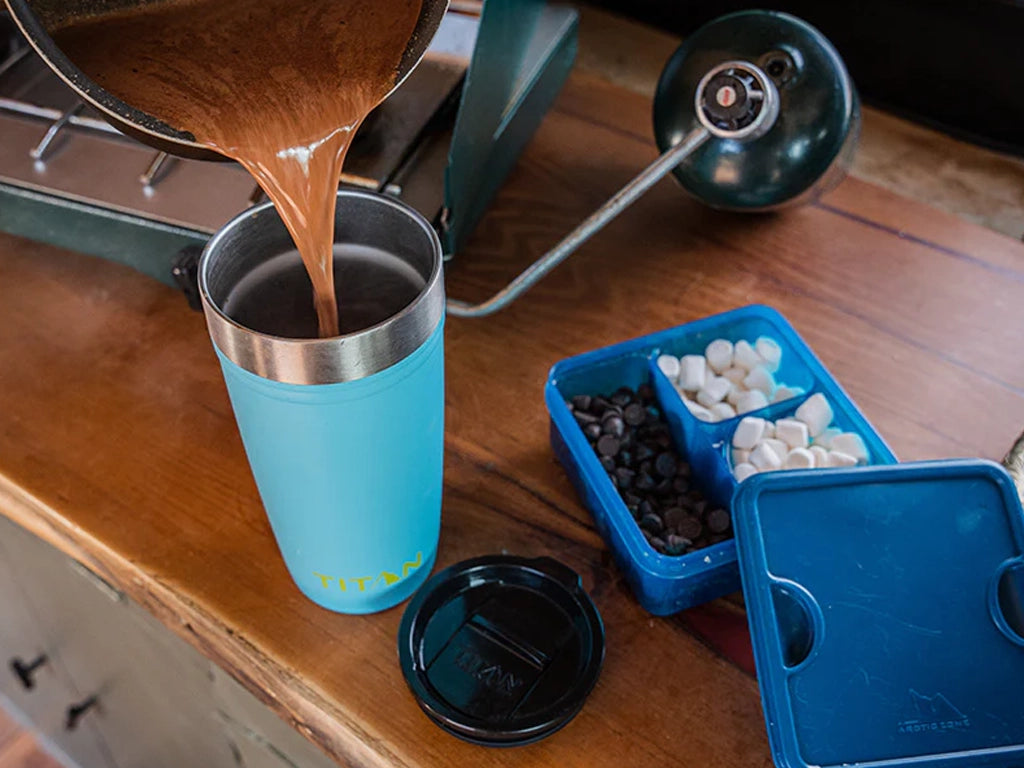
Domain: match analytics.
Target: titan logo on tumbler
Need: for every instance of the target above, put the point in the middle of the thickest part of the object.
(370, 583)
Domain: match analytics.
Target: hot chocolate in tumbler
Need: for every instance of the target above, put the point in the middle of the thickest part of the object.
(345, 436)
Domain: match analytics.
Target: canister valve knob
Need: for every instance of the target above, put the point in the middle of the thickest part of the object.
(737, 100)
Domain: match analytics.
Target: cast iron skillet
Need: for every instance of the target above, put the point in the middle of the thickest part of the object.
(36, 17)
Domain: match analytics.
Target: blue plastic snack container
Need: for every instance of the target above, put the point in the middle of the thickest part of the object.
(344, 435)
(665, 584)
(886, 607)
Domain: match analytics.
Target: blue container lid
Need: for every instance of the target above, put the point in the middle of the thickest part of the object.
(886, 607)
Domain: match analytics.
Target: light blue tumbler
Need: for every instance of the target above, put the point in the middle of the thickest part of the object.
(345, 436)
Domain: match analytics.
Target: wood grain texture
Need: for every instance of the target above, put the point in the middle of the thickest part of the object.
(117, 441)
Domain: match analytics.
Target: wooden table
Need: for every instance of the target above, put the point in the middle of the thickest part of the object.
(117, 442)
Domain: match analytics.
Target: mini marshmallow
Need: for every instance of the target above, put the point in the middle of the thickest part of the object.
(669, 365)
(778, 447)
(764, 458)
(769, 428)
(751, 401)
(816, 413)
(692, 372)
(785, 393)
(714, 390)
(698, 410)
(825, 438)
(840, 459)
(723, 411)
(744, 355)
(739, 456)
(770, 352)
(799, 458)
(735, 375)
(743, 471)
(792, 432)
(719, 355)
(851, 444)
(820, 455)
(760, 378)
(733, 398)
(748, 433)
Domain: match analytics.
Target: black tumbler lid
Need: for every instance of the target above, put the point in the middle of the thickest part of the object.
(502, 650)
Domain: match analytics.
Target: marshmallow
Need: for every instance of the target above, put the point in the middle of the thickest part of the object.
(820, 455)
(735, 375)
(792, 432)
(744, 355)
(733, 398)
(692, 372)
(713, 391)
(799, 458)
(764, 458)
(723, 411)
(748, 433)
(669, 365)
(785, 393)
(740, 456)
(851, 444)
(760, 378)
(840, 459)
(769, 428)
(751, 401)
(698, 410)
(778, 447)
(719, 355)
(825, 438)
(816, 413)
(770, 352)
(743, 471)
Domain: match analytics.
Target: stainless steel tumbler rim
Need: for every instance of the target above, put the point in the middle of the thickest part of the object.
(338, 359)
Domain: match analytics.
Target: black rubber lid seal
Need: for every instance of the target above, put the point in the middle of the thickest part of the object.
(502, 650)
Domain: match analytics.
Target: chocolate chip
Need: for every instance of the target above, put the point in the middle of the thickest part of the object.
(625, 476)
(592, 431)
(634, 415)
(614, 426)
(666, 464)
(644, 452)
(600, 404)
(623, 396)
(718, 521)
(680, 484)
(608, 463)
(673, 516)
(644, 481)
(608, 445)
(652, 523)
(583, 418)
(689, 527)
(581, 402)
(625, 456)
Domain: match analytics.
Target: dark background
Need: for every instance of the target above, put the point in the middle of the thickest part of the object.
(956, 66)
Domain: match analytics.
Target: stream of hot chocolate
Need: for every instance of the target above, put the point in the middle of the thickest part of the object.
(281, 86)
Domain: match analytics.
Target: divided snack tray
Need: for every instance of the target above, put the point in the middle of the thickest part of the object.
(666, 584)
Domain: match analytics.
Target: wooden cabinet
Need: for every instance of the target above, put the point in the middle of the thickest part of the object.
(50, 691)
(157, 702)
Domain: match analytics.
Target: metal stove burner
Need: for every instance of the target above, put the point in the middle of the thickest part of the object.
(55, 145)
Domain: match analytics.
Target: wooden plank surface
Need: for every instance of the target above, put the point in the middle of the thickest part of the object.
(117, 441)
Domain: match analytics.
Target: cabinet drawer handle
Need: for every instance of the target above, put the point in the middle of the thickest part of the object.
(25, 672)
(77, 711)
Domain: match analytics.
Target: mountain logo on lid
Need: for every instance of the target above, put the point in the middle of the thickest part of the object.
(934, 713)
